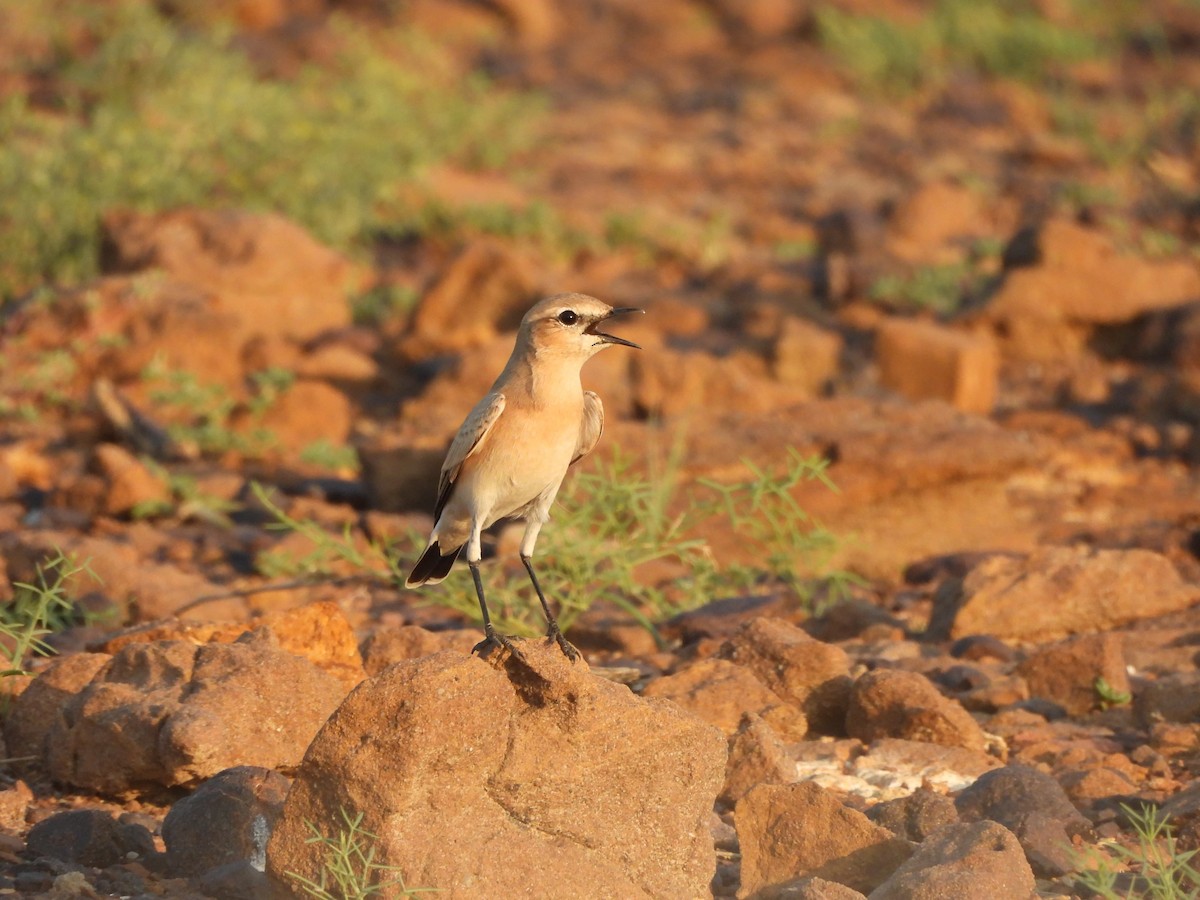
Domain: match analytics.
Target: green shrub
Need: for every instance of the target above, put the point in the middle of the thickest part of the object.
(158, 116)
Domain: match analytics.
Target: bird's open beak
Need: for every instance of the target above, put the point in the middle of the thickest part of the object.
(612, 338)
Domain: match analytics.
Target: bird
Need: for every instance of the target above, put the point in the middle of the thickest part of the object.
(513, 451)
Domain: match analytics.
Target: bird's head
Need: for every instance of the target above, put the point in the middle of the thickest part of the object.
(570, 324)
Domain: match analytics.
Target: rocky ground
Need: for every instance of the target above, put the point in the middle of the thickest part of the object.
(971, 691)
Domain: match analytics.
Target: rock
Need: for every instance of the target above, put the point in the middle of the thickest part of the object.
(924, 224)
(898, 767)
(916, 816)
(88, 837)
(1063, 276)
(668, 383)
(129, 484)
(809, 887)
(537, 23)
(385, 646)
(802, 829)
(33, 714)
(761, 20)
(1067, 672)
(14, 806)
(1173, 698)
(263, 271)
(307, 412)
(318, 631)
(893, 703)
(721, 693)
(807, 673)
(170, 713)
(234, 881)
(483, 779)
(756, 756)
(926, 361)
(1059, 591)
(806, 355)
(227, 820)
(1032, 806)
(980, 861)
(1100, 785)
(118, 577)
(914, 480)
(483, 292)
(341, 364)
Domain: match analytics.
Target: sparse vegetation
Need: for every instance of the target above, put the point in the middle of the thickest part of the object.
(349, 869)
(1156, 868)
(610, 526)
(38, 609)
(1004, 39)
(124, 133)
(203, 415)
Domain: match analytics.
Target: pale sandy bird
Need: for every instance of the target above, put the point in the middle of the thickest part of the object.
(511, 454)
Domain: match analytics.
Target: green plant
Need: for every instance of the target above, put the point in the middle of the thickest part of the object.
(38, 609)
(1160, 870)
(380, 303)
(188, 501)
(327, 455)
(349, 869)
(154, 114)
(377, 559)
(991, 37)
(204, 413)
(1109, 695)
(936, 288)
(779, 533)
(610, 527)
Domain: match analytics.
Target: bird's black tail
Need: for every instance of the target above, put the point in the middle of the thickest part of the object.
(432, 567)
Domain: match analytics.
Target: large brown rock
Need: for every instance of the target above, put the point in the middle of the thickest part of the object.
(1034, 807)
(1067, 672)
(1059, 591)
(890, 703)
(810, 674)
(1065, 278)
(34, 712)
(483, 291)
(927, 361)
(520, 778)
(980, 861)
(171, 713)
(915, 480)
(798, 829)
(722, 693)
(756, 756)
(265, 272)
(319, 631)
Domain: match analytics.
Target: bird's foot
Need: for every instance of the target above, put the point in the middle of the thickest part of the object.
(493, 642)
(554, 634)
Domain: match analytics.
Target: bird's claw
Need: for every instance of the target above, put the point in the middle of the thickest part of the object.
(568, 649)
(493, 642)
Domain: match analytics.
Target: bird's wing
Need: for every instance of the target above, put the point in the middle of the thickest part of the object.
(591, 427)
(470, 438)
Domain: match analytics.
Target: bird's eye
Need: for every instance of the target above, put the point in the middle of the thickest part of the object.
(568, 317)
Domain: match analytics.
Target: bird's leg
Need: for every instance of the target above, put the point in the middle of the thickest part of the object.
(553, 632)
(491, 640)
